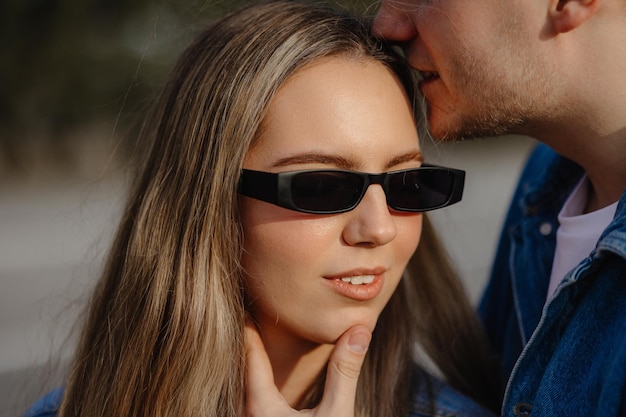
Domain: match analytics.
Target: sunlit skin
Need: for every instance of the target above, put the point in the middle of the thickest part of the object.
(339, 113)
(550, 69)
(490, 72)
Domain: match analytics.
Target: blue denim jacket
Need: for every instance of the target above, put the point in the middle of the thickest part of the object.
(447, 401)
(566, 358)
(434, 398)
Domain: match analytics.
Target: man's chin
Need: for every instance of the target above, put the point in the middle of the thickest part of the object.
(442, 127)
(447, 131)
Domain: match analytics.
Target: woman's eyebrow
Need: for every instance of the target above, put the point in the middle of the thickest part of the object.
(341, 162)
(414, 156)
(315, 158)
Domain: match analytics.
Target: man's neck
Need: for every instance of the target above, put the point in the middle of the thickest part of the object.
(602, 156)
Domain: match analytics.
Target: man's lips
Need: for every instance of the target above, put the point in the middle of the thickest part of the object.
(428, 76)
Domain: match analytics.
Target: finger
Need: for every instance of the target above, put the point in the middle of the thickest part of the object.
(343, 372)
(262, 396)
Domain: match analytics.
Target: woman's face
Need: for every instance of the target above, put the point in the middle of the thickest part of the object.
(336, 114)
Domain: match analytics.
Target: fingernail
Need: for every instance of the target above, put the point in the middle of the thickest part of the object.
(359, 342)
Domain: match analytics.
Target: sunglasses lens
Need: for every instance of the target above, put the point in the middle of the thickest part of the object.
(419, 190)
(325, 191)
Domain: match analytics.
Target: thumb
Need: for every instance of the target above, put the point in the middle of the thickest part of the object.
(343, 372)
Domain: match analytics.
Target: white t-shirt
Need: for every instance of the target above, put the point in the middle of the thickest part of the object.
(577, 234)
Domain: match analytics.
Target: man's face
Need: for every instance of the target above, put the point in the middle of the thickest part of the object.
(484, 70)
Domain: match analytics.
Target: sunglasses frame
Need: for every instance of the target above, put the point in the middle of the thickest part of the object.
(275, 188)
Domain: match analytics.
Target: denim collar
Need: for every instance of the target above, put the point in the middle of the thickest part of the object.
(547, 191)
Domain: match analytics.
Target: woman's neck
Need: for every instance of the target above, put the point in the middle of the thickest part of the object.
(296, 362)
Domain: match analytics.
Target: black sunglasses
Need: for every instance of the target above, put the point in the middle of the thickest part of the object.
(420, 189)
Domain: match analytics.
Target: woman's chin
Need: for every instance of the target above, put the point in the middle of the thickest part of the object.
(369, 324)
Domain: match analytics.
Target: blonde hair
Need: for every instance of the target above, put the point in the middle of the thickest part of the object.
(163, 335)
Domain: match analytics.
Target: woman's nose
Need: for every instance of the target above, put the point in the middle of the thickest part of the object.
(393, 24)
(370, 223)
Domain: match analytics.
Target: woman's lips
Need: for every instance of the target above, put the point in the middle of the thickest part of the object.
(360, 279)
(357, 286)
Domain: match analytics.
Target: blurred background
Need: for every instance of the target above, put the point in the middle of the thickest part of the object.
(76, 77)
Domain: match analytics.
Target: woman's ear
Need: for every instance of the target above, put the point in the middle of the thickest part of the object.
(567, 15)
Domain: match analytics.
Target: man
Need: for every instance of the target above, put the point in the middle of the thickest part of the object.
(555, 305)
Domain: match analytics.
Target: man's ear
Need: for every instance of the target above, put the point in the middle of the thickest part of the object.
(569, 14)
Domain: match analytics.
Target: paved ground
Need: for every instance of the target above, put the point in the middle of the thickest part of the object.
(53, 234)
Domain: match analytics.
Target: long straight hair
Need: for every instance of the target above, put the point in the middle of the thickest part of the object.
(164, 332)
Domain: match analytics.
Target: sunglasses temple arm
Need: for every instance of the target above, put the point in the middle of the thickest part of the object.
(457, 188)
(259, 185)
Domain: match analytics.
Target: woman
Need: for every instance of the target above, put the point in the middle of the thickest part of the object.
(253, 203)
